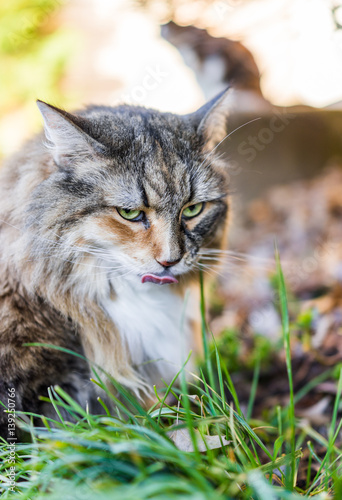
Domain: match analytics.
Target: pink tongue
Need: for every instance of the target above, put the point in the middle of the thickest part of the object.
(160, 280)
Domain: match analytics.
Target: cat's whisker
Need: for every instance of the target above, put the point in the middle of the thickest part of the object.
(10, 225)
(234, 253)
(72, 261)
(212, 258)
(210, 272)
(224, 269)
(216, 158)
(238, 264)
(95, 277)
(66, 247)
(208, 269)
(238, 256)
(59, 243)
(117, 268)
(226, 137)
(223, 256)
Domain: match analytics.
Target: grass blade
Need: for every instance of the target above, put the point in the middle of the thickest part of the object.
(287, 344)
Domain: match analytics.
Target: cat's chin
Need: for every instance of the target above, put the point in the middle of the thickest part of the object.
(159, 279)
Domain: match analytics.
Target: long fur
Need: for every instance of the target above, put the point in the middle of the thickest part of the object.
(71, 266)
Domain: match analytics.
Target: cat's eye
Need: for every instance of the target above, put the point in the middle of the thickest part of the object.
(131, 215)
(192, 210)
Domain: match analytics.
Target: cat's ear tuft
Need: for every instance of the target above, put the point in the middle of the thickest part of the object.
(66, 136)
(211, 119)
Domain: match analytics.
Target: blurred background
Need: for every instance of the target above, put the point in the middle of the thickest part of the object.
(169, 54)
(279, 56)
(283, 60)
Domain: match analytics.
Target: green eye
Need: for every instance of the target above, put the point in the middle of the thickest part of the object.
(132, 215)
(193, 210)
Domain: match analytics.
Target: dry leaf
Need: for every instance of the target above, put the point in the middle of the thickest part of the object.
(182, 439)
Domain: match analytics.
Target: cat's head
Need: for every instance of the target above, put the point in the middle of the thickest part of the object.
(139, 190)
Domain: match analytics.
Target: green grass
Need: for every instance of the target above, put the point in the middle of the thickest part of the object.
(128, 454)
(35, 52)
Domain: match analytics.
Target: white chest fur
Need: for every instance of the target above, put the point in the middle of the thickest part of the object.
(153, 321)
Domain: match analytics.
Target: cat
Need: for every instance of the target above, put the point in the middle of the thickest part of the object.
(110, 204)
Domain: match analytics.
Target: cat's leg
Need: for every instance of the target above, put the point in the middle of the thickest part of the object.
(25, 382)
(26, 372)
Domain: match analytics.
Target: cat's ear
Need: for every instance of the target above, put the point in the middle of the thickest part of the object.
(211, 119)
(67, 137)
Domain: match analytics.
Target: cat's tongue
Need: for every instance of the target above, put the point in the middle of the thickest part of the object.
(162, 279)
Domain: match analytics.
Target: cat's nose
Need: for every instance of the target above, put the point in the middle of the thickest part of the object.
(168, 263)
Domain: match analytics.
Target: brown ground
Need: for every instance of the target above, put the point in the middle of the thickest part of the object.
(305, 220)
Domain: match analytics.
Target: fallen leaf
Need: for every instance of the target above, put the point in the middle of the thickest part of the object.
(182, 439)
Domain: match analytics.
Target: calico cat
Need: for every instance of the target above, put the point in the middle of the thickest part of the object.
(112, 203)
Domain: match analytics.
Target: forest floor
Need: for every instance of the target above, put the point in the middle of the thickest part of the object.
(304, 221)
